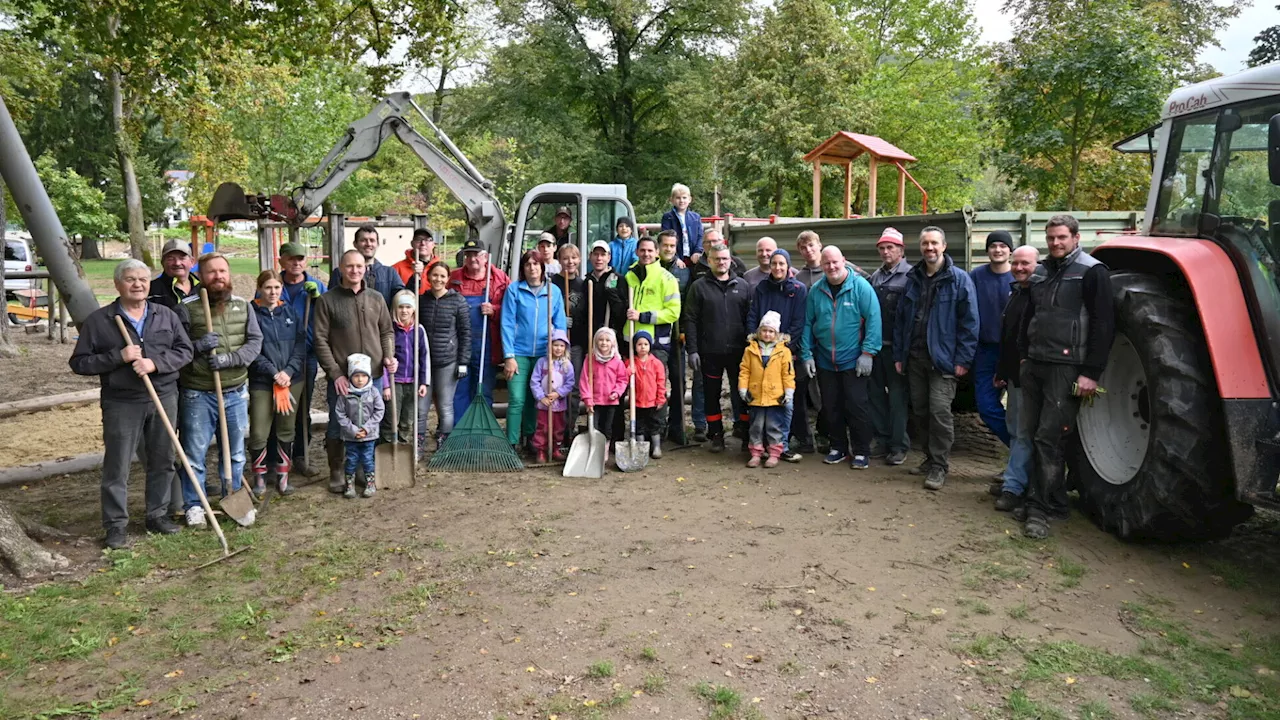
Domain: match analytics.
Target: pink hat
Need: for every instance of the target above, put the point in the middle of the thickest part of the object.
(890, 235)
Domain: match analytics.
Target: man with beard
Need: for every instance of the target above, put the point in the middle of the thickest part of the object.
(176, 282)
(382, 278)
(417, 261)
(229, 349)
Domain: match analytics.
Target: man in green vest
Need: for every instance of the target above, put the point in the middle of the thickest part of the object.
(229, 349)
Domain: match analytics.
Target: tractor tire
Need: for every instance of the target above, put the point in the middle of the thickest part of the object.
(1151, 458)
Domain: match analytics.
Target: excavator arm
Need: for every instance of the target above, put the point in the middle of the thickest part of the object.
(360, 143)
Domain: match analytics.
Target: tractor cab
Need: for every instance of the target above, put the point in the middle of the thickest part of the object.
(594, 211)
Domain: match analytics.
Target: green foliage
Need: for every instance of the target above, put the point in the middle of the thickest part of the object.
(79, 206)
(1266, 47)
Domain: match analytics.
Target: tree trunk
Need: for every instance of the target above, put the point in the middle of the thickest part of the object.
(22, 554)
(138, 247)
(7, 348)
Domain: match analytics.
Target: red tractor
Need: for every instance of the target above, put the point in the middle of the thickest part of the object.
(1187, 438)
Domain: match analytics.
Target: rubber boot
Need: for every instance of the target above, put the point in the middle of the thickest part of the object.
(655, 446)
(370, 485)
(259, 470)
(333, 448)
(422, 446)
(284, 463)
(775, 452)
(349, 485)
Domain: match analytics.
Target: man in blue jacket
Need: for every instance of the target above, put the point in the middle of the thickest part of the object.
(935, 339)
(786, 296)
(840, 341)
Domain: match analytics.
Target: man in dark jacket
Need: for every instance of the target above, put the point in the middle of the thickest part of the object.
(560, 229)
(301, 291)
(379, 277)
(1022, 263)
(888, 388)
(160, 348)
(176, 282)
(935, 339)
(783, 294)
(229, 349)
(1066, 338)
(716, 334)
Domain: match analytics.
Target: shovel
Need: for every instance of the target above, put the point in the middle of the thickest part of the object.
(394, 455)
(632, 455)
(586, 454)
(239, 504)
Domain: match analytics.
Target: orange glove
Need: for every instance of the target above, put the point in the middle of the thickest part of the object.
(284, 401)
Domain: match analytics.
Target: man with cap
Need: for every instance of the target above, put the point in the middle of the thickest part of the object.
(469, 280)
(176, 282)
(781, 293)
(888, 388)
(560, 230)
(935, 338)
(299, 285)
(992, 282)
(1022, 262)
(417, 261)
(765, 247)
(547, 246)
(379, 277)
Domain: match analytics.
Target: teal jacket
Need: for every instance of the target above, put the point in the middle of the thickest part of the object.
(524, 318)
(838, 328)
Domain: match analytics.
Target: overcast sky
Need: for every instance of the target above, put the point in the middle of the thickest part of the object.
(1236, 40)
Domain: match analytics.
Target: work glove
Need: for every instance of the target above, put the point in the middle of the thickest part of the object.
(221, 361)
(745, 394)
(864, 365)
(462, 371)
(207, 342)
(312, 287)
(810, 369)
(787, 396)
(568, 322)
(695, 362)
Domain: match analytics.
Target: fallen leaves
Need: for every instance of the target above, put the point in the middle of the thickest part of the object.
(174, 674)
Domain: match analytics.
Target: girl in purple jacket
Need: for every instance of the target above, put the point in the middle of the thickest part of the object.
(561, 373)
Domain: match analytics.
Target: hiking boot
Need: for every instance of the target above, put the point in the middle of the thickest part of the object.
(700, 435)
(936, 478)
(162, 525)
(195, 516)
(717, 444)
(790, 456)
(370, 485)
(878, 451)
(1036, 526)
(349, 486)
(1007, 501)
(116, 538)
(1020, 513)
(835, 457)
(921, 469)
(897, 457)
(996, 487)
(754, 462)
(655, 446)
(859, 462)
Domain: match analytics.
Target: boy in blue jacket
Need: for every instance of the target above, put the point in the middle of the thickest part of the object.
(686, 223)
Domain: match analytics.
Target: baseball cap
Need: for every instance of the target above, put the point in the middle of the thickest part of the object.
(563, 210)
(546, 237)
(471, 246)
(293, 249)
(601, 245)
(176, 245)
(890, 235)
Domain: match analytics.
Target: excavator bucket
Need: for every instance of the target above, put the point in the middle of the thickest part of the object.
(231, 203)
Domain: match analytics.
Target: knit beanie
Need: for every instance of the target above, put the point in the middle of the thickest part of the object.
(999, 236)
(624, 220)
(359, 363)
(785, 255)
(642, 334)
(771, 319)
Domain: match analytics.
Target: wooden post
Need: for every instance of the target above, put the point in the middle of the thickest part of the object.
(51, 303)
(817, 188)
(902, 190)
(848, 189)
(871, 188)
(62, 321)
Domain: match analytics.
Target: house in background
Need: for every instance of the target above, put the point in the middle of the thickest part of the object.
(178, 210)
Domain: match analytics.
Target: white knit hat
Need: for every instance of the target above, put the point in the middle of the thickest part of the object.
(359, 363)
(771, 319)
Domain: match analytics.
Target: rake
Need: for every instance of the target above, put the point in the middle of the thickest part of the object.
(478, 443)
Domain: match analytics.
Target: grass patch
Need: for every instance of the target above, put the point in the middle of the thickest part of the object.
(1152, 706)
(1021, 707)
(1020, 611)
(1233, 576)
(649, 654)
(987, 647)
(1094, 710)
(654, 684)
(602, 669)
(725, 703)
(1070, 570)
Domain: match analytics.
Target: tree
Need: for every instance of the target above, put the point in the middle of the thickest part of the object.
(1266, 47)
(79, 206)
(1092, 73)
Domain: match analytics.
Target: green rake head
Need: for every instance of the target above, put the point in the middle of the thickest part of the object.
(477, 444)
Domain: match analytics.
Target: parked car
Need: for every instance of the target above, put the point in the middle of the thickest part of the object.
(19, 258)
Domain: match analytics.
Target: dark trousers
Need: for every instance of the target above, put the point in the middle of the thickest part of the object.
(675, 404)
(125, 427)
(659, 422)
(800, 411)
(931, 395)
(889, 404)
(985, 392)
(648, 420)
(715, 366)
(604, 416)
(845, 407)
(1048, 418)
(302, 426)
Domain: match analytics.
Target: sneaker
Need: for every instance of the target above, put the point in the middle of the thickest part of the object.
(835, 457)
(897, 457)
(790, 456)
(162, 525)
(936, 479)
(1007, 501)
(921, 469)
(116, 538)
(859, 462)
(754, 462)
(879, 451)
(195, 517)
(717, 444)
(700, 435)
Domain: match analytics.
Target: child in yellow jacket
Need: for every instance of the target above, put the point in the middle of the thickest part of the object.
(767, 382)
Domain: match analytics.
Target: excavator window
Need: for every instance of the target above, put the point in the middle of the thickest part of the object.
(602, 219)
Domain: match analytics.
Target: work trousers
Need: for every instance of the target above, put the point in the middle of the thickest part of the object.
(715, 367)
(199, 419)
(302, 417)
(444, 385)
(698, 409)
(128, 427)
(845, 406)
(676, 360)
(520, 402)
(987, 394)
(660, 420)
(1048, 418)
(889, 404)
(264, 420)
(1020, 446)
(407, 403)
(931, 395)
(798, 422)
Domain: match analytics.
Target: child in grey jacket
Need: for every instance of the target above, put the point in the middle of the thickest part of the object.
(359, 414)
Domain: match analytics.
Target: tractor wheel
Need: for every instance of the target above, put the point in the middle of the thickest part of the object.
(1151, 459)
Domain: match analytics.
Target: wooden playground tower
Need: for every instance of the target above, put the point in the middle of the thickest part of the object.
(842, 149)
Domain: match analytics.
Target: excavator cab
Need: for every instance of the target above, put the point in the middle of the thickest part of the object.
(594, 210)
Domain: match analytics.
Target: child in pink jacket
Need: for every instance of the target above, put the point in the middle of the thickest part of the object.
(602, 396)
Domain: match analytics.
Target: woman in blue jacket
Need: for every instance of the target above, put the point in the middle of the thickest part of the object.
(272, 379)
(524, 338)
(783, 294)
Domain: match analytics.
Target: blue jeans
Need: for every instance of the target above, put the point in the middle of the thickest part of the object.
(332, 431)
(359, 454)
(465, 392)
(986, 394)
(1020, 451)
(699, 410)
(769, 427)
(198, 418)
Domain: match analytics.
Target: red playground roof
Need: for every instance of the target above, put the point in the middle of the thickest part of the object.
(845, 146)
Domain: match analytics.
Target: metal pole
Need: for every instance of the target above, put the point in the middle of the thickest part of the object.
(62, 321)
(51, 306)
(42, 220)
